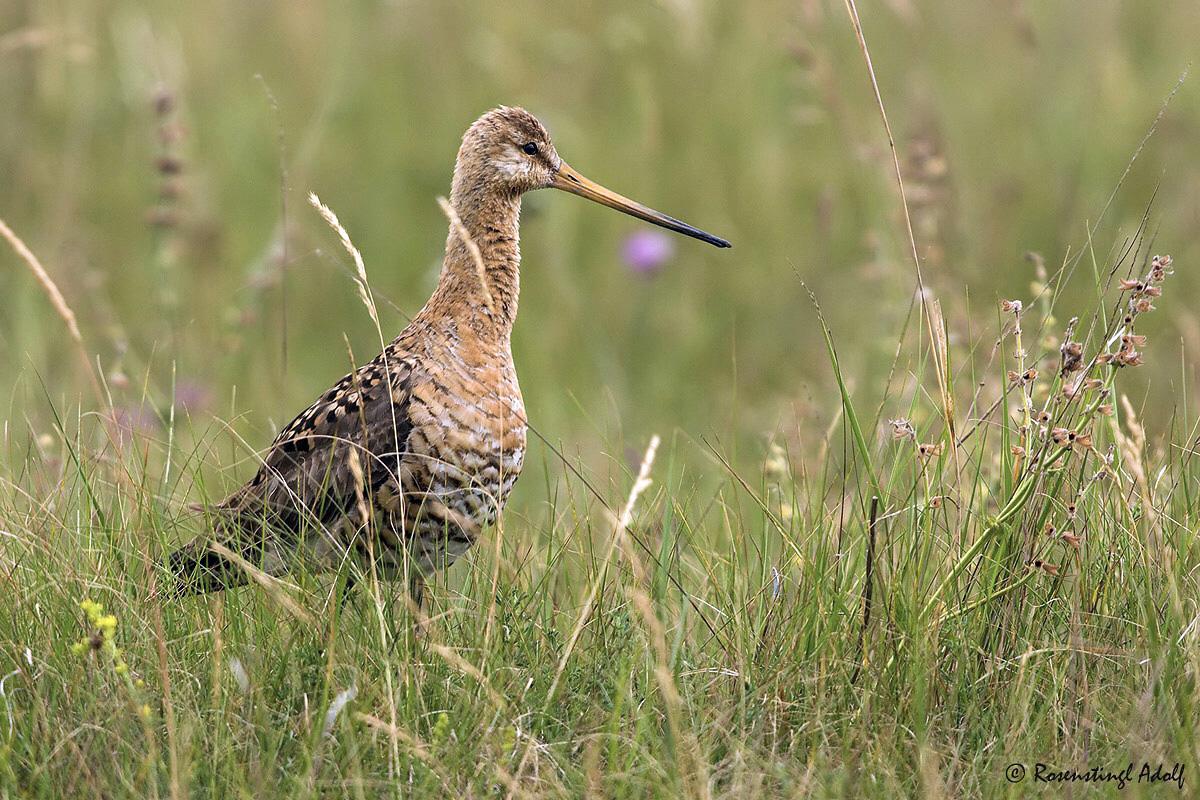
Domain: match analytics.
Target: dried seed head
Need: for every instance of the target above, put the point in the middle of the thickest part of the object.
(168, 165)
(1011, 306)
(1071, 538)
(1062, 436)
(1159, 268)
(169, 133)
(931, 450)
(1023, 378)
(1105, 409)
(169, 189)
(1017, 450)
(1129, 358)
(1072, 357)
(1045, 566)
(902, 429)
(1071, 509)
(163, 101)
(162, 217)
(775, 465)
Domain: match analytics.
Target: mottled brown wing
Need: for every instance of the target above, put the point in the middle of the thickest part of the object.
(307, 481)
(309, 474)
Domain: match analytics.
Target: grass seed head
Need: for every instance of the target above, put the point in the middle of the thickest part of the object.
(1044, 566)
(902, 429)
(1072, 357)
(931, 450)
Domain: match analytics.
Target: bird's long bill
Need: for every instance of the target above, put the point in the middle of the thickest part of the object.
(571, 181)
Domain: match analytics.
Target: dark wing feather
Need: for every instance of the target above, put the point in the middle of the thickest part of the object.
(307, 478)
(308, 470)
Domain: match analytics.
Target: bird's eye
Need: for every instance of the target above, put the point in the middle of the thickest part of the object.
(530, 148)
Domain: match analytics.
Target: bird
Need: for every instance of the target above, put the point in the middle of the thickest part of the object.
(402, 463)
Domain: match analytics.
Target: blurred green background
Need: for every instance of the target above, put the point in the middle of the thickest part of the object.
(157, 156)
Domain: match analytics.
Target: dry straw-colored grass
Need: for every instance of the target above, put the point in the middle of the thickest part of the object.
(57, 300)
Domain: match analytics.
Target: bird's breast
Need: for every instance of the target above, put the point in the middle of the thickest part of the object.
(467, 443)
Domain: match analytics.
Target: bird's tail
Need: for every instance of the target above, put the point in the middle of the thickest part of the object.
(197, 569)
(217, 560)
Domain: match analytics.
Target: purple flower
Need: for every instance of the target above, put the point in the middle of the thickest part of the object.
(646, 251)
(192, 397)
(132, 421)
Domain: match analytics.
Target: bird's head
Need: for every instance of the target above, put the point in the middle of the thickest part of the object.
(508, 152)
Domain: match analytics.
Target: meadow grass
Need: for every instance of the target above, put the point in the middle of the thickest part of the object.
(884, 544)
(1023, 597)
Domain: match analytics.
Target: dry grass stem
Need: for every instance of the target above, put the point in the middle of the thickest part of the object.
(459, 663)
(640, 484)
(57, 299)
(414, 745)
(272, 585)
(938, 346)
(364, 288)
